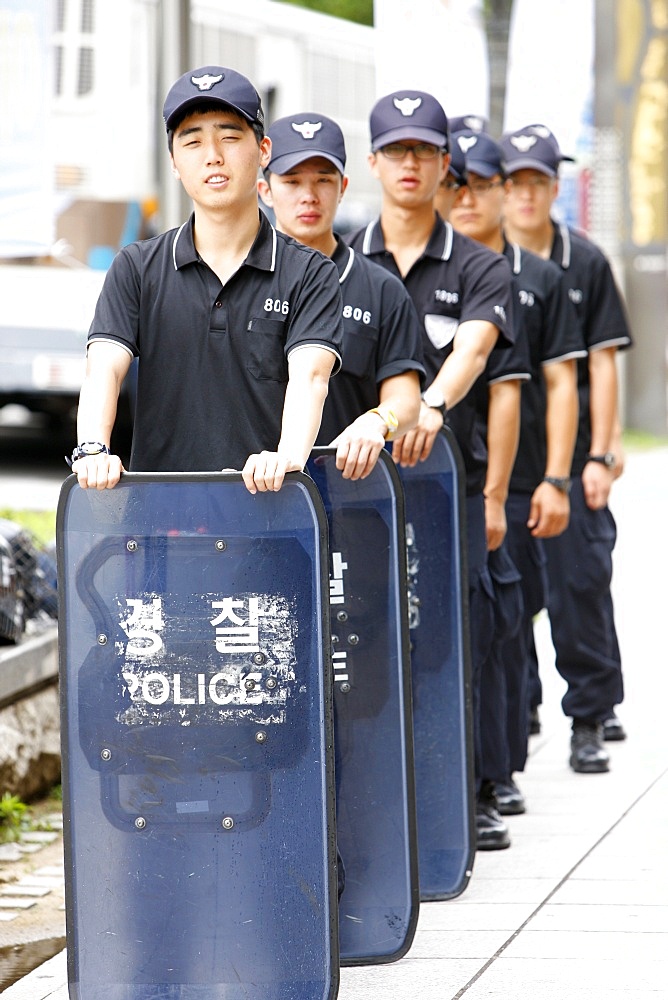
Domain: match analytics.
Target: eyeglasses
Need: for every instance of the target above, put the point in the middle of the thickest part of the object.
(452, 185)
(480, 188)
(421, 150)
(535, 183)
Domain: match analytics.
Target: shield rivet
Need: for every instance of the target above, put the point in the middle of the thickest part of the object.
(140, 822)
(132, 545)
(227, 823)
(221, 545)
(105, 754)
(261, 737)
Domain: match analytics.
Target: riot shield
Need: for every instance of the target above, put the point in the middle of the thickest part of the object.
(197, 741)
(441, 669)
(373, 738)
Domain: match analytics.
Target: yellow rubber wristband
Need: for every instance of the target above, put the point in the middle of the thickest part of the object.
(389, 418)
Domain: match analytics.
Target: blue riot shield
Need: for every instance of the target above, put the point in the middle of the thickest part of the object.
(373, 736)
(197, 741)
(441, 669)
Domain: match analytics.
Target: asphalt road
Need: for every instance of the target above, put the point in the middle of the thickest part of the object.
(32, 466)
(32, 460)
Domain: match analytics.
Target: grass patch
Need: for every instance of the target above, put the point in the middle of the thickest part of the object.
(40, 523)
(14, 817)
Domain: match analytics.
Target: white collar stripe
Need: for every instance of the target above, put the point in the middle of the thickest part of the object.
(566, 252)
(176, 240)
(366, 246)
(447, 246)
(349, 265)
(273, 248)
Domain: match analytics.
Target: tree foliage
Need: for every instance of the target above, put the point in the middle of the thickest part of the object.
(351, 10)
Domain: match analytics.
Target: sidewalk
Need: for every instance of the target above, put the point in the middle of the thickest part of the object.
(577, 908)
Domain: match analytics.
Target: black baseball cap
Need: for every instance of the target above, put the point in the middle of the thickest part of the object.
(216, 85)
(299, 137)
(408, 114)
(472, 123)
(457, 161)
(544, 132)
(483, 156)
(525, 149)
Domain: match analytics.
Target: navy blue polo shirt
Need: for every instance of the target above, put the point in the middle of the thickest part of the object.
(508, 363)
(455, 280)
(213, 366)
(598, 304)
(552, 334)
(381, 338)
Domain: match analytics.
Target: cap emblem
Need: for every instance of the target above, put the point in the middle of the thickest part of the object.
(307, 130)
(466, 142)
(542, 131)
(475, 122)
(523, 143)
(407, 105)
(207, 81)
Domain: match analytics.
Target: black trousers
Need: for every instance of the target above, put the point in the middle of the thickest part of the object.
(481, 614)
(579, 603)
(499, 682)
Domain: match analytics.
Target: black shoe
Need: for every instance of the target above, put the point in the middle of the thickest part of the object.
(534, 722)
(588, 755)
(509, 798)
(613, 730)
(491, 832)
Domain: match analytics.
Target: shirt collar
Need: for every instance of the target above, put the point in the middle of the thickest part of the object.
(438, 246)
(261, 255)
(440, 241)
(561, 245)
(513, 252)
(343, 257)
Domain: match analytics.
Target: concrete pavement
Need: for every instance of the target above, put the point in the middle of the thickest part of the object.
(578, 906)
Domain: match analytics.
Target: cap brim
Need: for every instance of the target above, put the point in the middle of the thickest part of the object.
(481, 168)
(281, 164)
(215, 102)
(409, 132)
(526, 163)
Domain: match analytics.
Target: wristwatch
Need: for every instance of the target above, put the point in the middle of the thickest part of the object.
(608, 460)
(434, 399)
(561, 483)
(86, 449)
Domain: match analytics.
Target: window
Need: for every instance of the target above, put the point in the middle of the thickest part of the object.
(74, 48)
(85, 75)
